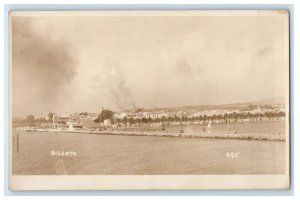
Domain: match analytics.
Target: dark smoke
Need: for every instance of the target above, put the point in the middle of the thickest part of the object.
(41, 66)
(121, 94)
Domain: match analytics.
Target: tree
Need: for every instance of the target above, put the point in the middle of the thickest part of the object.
(124, 120)
(214, 117)
(30, 120)
(144, 120)
(62, 122)
(131, 120)
(150, 120)
(105, 114)
(281, 114)
(84, 114)
(50, 115)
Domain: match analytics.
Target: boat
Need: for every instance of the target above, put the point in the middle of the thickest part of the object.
(209, 125)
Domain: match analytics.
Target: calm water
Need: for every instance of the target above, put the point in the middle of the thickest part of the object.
(112, 154)
(265, 127)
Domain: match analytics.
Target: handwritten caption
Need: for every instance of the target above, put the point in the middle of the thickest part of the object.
(63, 153)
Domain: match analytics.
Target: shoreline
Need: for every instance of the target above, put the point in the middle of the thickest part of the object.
(236, 136)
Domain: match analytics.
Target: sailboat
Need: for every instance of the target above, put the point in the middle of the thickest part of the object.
(209, 126)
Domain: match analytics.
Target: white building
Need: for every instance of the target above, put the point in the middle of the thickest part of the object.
(107, 122)
(74, 126)
(120, 115)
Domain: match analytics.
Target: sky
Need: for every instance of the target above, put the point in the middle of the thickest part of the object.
(81, 62)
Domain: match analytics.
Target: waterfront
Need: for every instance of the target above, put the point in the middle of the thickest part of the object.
(260, 127)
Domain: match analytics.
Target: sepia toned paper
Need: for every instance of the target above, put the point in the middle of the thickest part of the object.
(137, 100)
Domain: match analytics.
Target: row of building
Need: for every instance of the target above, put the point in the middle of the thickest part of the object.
(86, 120)
(180, 114)
(159, 114)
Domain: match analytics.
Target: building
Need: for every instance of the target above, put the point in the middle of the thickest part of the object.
(93, 116)
(138, 115)
(74, 126)
(120, 115)
(90, 124)
(107, 122)
(65, 116)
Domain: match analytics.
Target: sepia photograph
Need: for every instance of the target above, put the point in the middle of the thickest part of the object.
(149, 99)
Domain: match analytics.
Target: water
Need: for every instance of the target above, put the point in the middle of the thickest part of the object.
(263, 127)
(139, 155)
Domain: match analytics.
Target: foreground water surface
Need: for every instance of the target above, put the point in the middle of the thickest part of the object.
(41, 153)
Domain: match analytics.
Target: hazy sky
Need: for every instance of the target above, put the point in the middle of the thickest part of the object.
(69, 63)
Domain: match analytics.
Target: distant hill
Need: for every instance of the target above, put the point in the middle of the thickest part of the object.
(267, 101)
(272, 101)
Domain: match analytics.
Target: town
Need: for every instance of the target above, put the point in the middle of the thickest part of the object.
(151, 119)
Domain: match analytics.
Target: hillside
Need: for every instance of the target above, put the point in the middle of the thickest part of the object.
(267, 101)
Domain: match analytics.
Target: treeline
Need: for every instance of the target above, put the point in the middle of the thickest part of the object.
(232, 117)
(31, 120)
